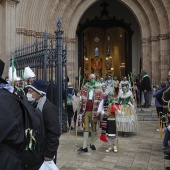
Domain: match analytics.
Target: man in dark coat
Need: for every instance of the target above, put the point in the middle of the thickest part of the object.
(163, 96)
(145, 88)
(37, 95)
(11, 127)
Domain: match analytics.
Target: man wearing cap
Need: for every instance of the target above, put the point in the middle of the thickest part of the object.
(11, 126)
(37, 96)
(91, 95)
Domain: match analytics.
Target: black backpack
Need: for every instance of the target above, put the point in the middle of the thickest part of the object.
(34, 133)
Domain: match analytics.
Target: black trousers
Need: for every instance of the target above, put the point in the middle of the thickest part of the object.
(146, 98)
(158, 109)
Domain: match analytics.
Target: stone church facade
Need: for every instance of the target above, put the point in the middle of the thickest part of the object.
(22, 21)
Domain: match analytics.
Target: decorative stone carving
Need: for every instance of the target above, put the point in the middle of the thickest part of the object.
(32, 33)
(12, 2)
(144, 40)
(154, 38)
(163, 36)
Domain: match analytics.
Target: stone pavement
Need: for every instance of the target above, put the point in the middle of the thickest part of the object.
(138, 151)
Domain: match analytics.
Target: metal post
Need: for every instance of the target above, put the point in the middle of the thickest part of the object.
(59, 54)
(45, 37)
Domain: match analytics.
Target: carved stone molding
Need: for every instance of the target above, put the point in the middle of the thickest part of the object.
(33, 33)
(145, 40)
(164, 36)
(11, 2)
(156, 38)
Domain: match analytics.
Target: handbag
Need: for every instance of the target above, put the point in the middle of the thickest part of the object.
(48, 165)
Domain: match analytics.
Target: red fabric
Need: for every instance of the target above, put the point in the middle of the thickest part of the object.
(117, 90)
(103, 137)
(89, 106)
(98, 94)
(112, 109)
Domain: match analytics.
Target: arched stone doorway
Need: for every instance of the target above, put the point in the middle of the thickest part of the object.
(34, 17)
(151, 37)
(112, 38)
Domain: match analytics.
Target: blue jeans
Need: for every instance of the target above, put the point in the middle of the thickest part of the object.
(166, 137)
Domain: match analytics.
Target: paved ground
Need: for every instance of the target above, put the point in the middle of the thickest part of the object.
(139, 151)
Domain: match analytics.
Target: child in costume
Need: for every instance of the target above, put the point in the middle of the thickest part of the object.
(108, 108)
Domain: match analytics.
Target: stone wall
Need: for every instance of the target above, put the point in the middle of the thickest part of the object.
(22, 21)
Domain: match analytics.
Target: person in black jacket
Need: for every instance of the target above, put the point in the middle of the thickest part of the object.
(163, 96)
(11, 126)
(37, 96)
(145, 88)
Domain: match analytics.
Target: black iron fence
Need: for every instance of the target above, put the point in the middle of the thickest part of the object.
(47, 57)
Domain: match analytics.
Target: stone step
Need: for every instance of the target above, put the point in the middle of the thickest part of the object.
(147, 114)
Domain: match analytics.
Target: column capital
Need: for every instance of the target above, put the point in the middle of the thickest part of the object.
(9, 1)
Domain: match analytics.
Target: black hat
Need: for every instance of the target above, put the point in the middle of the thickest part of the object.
(39, 86)
(2, 65)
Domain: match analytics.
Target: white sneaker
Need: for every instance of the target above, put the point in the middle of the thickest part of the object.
(109, 149)
(115, 149)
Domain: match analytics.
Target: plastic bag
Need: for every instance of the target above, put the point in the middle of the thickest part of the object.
(48, 165)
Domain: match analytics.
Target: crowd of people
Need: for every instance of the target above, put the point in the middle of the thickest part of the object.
(107, 103)
(21, 146)
(161, 93)
(111, 104)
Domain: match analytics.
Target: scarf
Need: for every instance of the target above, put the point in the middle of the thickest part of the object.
(7, 87)
(146, 75)
(91, 87)
(41, 102)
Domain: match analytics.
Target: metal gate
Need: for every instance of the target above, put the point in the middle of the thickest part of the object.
(47, 57)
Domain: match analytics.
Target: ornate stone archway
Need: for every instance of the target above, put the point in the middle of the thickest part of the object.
(33, 17)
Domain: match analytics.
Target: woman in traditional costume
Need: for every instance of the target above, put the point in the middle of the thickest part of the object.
(127, 120)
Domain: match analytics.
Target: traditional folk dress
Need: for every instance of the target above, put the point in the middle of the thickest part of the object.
(90, 97)
(127, 120)
(95, 99)
(109, 123)
(110, 86)
(116, 86)
(121, 84)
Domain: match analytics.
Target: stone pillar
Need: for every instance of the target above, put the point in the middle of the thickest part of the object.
(8, 30)
(146, 56)
(155, 62)
(164, 57)
(71, 60)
